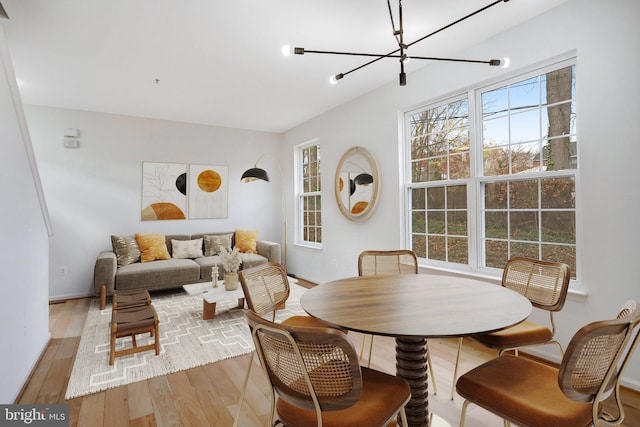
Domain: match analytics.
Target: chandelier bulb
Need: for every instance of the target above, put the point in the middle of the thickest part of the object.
(334, 79)
(286, 50)
(505, 62)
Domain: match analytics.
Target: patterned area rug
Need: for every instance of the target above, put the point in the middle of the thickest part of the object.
(186, 341)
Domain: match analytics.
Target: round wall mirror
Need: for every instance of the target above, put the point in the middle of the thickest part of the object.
(357, 184)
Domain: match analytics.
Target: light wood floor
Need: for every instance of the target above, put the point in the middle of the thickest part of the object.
(208, 395)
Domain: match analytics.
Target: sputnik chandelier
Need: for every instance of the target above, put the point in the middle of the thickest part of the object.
(401, 53)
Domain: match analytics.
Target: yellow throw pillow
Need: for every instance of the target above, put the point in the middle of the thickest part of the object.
(152, 247)
(246, 241)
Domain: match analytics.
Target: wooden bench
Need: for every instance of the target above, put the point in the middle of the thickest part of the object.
(131, 322)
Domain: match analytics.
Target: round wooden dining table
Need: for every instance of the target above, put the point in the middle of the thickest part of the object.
(413, 308)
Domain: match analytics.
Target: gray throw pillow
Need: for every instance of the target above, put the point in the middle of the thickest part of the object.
(126, 249)
(212, 243)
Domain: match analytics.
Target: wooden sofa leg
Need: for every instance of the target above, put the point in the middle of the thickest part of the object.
(103, 297)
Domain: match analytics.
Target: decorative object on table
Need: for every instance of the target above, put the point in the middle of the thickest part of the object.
(164, 191)
(401, 52)
(357, 184)
(231, 261)
(214, 276)
(208, 191)
(231, 280)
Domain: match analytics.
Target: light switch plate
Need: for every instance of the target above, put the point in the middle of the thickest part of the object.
(70, 142)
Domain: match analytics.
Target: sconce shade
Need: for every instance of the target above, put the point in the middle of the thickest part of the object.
(254, 174)
(363, 179)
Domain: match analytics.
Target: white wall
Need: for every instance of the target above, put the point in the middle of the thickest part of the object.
(24, 310)
(95, 191)
(606, 38)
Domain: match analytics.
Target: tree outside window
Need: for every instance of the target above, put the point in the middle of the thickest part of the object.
(523, 182)
(309, 197)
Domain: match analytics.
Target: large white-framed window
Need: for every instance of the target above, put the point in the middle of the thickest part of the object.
(308, 191)
(492, 173)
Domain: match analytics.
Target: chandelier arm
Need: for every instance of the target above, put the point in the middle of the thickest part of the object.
(393, 24)
(389, 55)
(457, 21)
(394, 55)
(398, 34)
(475, 61)
(377, 55)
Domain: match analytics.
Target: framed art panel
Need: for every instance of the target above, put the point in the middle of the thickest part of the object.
(164, 191)
(208, 191)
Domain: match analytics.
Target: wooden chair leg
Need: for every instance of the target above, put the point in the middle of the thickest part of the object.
(403, 417)
(103, 297)
(455, 370)
(431, 374)
(112, 351)
(463, 413)
(157, 336)
(244, 390)
(364, 338)
(370, 352)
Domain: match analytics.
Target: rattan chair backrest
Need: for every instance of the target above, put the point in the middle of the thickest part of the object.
(307, 365)
(598, 354)
(401, 261)
(544, 283)
(265, 287)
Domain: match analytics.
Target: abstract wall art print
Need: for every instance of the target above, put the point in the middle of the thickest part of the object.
(208, 191)
(164, 191)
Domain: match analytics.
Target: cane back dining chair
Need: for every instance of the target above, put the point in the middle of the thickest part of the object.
(400, 261)
(266, 289)
(545, 284)
(527, 392)
(316, 376)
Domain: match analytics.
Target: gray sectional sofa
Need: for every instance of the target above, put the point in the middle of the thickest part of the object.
(117, 271)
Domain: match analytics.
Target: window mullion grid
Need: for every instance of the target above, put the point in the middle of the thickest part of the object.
(474, 187)
(476, 182)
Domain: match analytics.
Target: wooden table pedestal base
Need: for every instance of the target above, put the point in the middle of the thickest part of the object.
(411, 364)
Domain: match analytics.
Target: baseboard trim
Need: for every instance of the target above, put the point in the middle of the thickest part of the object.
(33, 370)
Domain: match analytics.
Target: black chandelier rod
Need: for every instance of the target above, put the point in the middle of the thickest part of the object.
(458, 21)
(425, 37)
(392, 54)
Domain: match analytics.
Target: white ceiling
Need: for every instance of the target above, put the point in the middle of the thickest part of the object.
(219, 62)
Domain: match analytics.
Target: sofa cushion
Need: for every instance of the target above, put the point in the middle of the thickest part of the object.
(126, 249)
(169, 237)
(206, 263)
(246, 241)
(212, 243)
(152, 247)
(157, 274)
(186, 248)
(252, 260)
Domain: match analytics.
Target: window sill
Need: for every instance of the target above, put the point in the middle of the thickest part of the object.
(576, 292)
(308, 245)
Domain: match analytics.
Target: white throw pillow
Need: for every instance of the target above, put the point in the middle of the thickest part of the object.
(187, 248)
